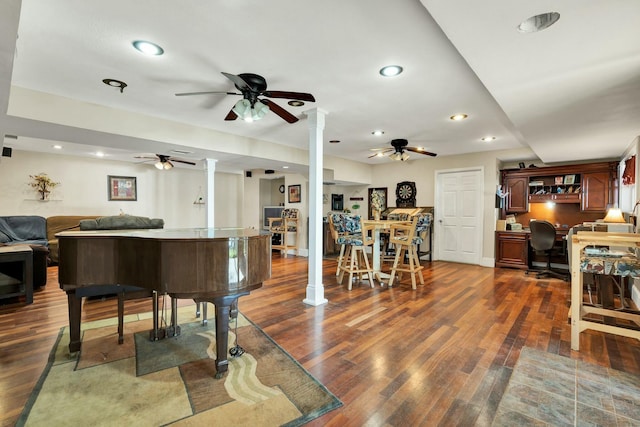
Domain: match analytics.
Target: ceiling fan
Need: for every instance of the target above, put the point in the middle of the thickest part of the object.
(164, 162)
(250, 107)
(399, 146)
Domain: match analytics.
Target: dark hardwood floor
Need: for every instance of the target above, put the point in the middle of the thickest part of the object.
(439, 355)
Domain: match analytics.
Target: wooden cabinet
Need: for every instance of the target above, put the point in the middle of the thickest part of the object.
(518, 191)
(591, 187)
(512, 249)
(596, 191)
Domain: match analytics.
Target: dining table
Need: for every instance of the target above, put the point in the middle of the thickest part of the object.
(379, 225)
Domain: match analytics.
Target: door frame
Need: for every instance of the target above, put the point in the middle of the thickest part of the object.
(437, 220)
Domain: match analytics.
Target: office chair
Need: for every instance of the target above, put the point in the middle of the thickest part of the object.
(542, 239)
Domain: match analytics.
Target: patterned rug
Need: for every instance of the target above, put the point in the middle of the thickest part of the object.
(546, 389)
(171, 382)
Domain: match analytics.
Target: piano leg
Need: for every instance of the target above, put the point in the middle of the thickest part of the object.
(174, 329)
(75, 313)
(223, 309)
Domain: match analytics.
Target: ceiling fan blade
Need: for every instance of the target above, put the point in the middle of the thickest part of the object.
(289, 95)
(420, 151)
(207, 93)
(379, 154)
(237, 80)
(183, 161)
(279, 111)
(231, 115)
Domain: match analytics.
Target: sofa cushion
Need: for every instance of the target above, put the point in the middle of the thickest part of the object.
(59, 223)
(23, 229)
(121, 222)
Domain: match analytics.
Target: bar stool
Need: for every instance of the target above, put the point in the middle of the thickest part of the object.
(407, 238)
(356, 239)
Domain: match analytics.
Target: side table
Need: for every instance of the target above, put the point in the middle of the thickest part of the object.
(12, 286)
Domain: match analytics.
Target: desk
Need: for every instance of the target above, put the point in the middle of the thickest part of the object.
(23, 286)
(379, 225)
(624, 266)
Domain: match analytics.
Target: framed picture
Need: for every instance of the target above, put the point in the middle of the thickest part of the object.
(380, 197)
(569, 179)
(294, 194)
(559, 180)
(122, 188)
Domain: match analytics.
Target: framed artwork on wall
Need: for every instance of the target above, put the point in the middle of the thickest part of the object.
(122, 188)
(569, 179)
(295, 194)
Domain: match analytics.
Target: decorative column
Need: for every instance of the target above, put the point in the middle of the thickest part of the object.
(210, 168)
(315, 289)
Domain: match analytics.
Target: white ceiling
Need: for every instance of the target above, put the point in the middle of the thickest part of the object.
(571, 92)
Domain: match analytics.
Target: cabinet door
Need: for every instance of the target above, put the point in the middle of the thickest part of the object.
(512, 250)
(595, 191)
(518, 197)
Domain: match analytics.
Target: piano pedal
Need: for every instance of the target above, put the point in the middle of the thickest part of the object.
(236, 351)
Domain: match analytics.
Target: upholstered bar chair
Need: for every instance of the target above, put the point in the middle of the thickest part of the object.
(407, 238)
(356, 240)
(337, 228)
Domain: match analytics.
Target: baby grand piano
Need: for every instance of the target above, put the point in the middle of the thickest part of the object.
(209, 265)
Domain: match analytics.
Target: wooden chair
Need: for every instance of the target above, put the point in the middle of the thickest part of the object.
(287, 224)
(356, 239)
(407, 238)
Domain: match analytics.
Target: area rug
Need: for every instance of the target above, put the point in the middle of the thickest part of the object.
(171, 381)
(548, 389)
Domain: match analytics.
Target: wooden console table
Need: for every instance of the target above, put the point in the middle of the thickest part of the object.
(625, 266)
(23, 286)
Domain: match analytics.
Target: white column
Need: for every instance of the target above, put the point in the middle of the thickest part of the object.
(315, 289)
(210, 167)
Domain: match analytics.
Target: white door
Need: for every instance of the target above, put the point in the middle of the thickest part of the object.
(459, 215)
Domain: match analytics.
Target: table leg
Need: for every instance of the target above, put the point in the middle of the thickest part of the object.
(75, 313)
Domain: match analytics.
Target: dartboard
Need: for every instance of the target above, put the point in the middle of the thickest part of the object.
(406, 194)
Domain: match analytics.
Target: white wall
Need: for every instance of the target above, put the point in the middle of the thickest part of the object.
(83, 190)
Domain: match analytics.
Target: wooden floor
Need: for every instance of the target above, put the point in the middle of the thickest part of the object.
(439, 355)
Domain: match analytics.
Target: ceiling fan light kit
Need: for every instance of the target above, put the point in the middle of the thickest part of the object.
(250, 113)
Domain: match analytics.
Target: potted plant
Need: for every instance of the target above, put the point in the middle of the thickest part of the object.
(43, 184)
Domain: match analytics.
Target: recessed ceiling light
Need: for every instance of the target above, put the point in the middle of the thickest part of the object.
(458, 117)
(488, 138)
(148, 48)
(391, 70)
(57, 147)
(285, 167)
(99, 154)
(334, 141)
(377, 132)
(538, 22)
(296, 103)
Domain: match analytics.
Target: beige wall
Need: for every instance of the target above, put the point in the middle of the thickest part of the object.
(83, 190)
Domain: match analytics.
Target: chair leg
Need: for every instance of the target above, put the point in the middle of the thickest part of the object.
(354, 259)
(369, 269)
(395, 266)
(340, 259)
(120, 317)
(342, 266)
